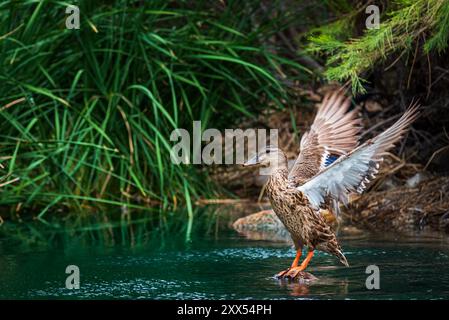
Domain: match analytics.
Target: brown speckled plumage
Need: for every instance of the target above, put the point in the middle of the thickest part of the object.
(329, 167)
(306, 227)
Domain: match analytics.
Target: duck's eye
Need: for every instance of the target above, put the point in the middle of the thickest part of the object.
(268, 151)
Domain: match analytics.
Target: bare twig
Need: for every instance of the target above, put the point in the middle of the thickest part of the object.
(433, 156)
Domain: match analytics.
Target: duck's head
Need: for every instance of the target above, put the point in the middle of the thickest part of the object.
(268, 157)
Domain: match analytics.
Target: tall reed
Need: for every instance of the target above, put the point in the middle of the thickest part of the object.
(86, 114)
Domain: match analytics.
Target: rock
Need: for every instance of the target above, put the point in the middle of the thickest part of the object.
(259, 221)
(352, 231)
(302, 277)
(262, 225)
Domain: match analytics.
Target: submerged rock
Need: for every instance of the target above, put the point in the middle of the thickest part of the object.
(301, 277)
(304, 276)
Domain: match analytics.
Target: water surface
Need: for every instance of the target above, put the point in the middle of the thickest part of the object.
(225, 267)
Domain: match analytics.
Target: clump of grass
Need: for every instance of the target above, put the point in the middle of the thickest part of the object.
(86, 114)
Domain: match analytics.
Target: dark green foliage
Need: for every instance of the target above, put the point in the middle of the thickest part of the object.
(402, 25)
(87, 114)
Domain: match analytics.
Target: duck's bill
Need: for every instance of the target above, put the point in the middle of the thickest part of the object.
(252, 161)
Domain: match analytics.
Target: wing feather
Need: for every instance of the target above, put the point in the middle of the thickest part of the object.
(334, 131)
(351, 172)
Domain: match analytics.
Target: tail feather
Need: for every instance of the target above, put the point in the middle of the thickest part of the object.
(342, 257)
(334, 248)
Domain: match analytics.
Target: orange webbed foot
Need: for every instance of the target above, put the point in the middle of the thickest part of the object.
(294, 270)
(282, 274)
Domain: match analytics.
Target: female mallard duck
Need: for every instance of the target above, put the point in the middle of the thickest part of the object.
(329, 167)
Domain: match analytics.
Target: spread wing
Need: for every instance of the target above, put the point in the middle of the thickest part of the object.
(334, 132)
(351, 172)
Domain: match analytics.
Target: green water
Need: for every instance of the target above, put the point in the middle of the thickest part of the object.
(224, 266)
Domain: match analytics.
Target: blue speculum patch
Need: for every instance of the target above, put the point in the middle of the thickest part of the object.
(330, 159)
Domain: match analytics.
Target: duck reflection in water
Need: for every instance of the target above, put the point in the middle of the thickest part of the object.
(306, 288)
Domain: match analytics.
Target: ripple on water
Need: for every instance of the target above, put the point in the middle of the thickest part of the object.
(231, 269)
(133, 288)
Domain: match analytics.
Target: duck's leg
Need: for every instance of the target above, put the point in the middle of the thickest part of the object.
(293, 272)
(294, 264)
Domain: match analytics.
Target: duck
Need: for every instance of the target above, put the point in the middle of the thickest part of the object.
(331, 166)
